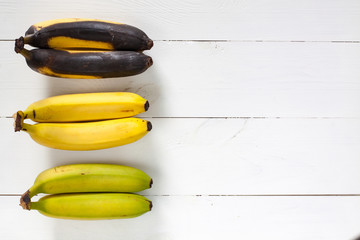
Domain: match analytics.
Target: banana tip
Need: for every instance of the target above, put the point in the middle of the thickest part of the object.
(149, 62)
(147, 105)
(151, 183)
(25, 200)
(150, 205)
(149, 126)
(150, 44)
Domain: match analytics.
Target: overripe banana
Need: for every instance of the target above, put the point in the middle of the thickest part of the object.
(92, 206)
(85, 64)
(75, 33)
(84, 107)
(91, 177)
(88, 135)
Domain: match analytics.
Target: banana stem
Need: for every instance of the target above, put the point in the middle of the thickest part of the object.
(19, 47)
(21, 41)
(28, 38)
(25, 126)
(19, 120)
(25, 200)
(26, 53)
(19, 44)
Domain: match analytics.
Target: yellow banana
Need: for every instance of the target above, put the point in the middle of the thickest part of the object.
(85, 107)
(88, 135)
(92, 206)
(77, 33)
(85, 64)
(89, 177)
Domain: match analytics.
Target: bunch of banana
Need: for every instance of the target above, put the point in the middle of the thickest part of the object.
(90, 191)
(85, 48)
(85, 121)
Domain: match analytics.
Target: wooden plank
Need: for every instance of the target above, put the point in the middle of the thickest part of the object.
(191, 217)
(227, 20)
(215, 80)
(250, 100)
(213, 156)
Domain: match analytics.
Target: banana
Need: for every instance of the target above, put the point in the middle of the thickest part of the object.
(88, 135)
(84, 107)
(77, 33)
(92, 206)
(77, 178)
(86, 64)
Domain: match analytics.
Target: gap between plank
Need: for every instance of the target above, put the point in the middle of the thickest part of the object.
(241, 41)
(260, 41)
(227, 195)
(245, 117)
(256, 195)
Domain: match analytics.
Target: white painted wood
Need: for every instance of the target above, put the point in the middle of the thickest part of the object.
(289, 69)
(215, 80)
(201, 19)
(191, 217)
(213, 156)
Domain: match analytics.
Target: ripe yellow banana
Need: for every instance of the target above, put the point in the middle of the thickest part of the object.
(77, 33)
(84, 107)
(88, 135)
(91, 177)
(92, 206)
(85, 64)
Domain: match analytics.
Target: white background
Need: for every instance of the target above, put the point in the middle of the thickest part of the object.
(255, 106)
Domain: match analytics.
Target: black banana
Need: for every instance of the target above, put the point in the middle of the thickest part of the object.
(85, 64)
(75, 33)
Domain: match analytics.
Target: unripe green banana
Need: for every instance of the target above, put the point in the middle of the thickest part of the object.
(84, 107)
(92, 206)
(77, 33)
(85, 64)
(91, 177)
(85, 136)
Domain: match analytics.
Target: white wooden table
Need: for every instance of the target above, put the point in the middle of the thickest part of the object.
(255, 106)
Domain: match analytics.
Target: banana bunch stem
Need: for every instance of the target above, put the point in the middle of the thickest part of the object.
(25, 200)
(19, 48)
(19, 44)
(18, 120)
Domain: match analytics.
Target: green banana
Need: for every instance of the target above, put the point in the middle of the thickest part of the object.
(92, 206)
(89, 177)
